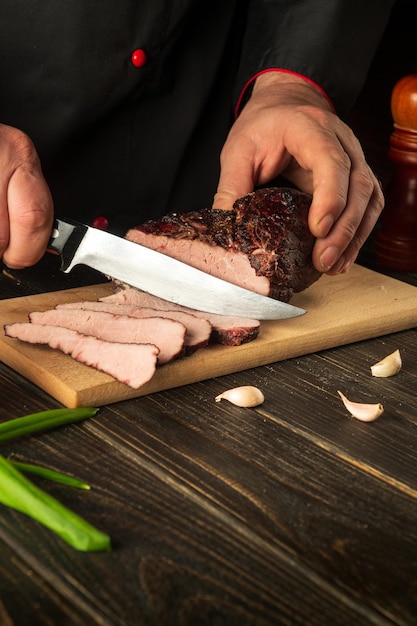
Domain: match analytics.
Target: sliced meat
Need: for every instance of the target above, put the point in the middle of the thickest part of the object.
(264, 244)
(228, 331)
(198, 329)
(129, 363)
(168, 335)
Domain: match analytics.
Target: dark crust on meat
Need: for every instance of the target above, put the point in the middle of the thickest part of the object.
(269, 225)
(234, 336)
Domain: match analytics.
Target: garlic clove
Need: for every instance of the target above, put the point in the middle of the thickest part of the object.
(245, 396)
(389, 366)
(363, 412)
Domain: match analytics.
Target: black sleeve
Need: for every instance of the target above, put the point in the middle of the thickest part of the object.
(331, 42)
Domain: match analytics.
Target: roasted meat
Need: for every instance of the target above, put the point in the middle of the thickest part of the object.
(167, 334)
(130, 363)
(263, 244)
(227, 331)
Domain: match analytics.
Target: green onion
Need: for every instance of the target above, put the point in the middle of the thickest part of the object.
(45, 472)
(21, 494)
(44, 420)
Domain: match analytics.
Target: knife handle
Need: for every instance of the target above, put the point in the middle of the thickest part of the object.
(65, 239)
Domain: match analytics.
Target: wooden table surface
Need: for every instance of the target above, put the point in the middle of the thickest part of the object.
(292, 513)
(289, 513)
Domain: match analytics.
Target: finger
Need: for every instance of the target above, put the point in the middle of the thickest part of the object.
(330, 166)
(30, 210)
(4, 217)
(236, 172)
(339, 174)
(4, 212)
(341, 228)
(345, 177)
(337, 252)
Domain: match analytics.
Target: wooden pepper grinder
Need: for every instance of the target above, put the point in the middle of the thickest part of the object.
(396, 241)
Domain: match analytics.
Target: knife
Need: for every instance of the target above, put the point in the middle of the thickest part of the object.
(159, 274)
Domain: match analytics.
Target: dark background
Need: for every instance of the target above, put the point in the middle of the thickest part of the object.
(396, 57)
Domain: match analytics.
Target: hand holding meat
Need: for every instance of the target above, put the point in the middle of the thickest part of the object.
(25, 201)
(287, 127)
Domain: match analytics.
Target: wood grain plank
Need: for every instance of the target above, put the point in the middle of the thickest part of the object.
(176, 562)
(282, 524)
(341, 310)
(386, 447)
(240, 516)
(27, 598)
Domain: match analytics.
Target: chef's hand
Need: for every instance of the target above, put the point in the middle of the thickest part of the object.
(26, 208)
(287, 127)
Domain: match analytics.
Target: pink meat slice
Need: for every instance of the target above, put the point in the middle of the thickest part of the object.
(168, 335)
(230, 265)
(229, 331)
(130, 363)
(198, 329)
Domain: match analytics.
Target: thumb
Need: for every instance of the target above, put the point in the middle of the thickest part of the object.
(30, 208)
(236, 178)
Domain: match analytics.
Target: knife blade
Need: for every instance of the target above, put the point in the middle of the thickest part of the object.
(159, 274)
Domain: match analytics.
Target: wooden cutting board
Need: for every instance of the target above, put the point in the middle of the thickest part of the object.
(342, 309)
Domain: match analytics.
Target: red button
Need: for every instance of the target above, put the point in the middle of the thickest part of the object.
(139, 57)
(102, 223)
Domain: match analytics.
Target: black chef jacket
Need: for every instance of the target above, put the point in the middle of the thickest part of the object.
(129, 103)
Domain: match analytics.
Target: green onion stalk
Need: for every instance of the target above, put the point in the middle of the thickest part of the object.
(44, 420)
(19, 493)
(45, 472)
